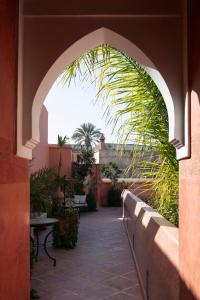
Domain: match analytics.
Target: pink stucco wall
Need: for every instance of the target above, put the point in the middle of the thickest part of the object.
(41, 151)
(67, 158)
(14, 182)
(154, 243)
(189, 181)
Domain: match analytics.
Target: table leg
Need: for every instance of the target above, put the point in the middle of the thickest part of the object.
(45, 247)
(37, 244)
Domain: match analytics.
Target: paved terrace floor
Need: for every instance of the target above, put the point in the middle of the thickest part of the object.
(100, 267)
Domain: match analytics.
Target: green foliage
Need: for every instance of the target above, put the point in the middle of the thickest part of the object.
(86, 156)
(111, 171)
(59, 181)
(78, 188)
(86, 135)
(140, 116)
(84, 164)
(91, 201)
(166, 191)
(66, 231)
(62, 141)
(114, 196)
(40, 188)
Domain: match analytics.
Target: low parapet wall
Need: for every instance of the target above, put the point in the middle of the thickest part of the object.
(140, 187)
(154, 242)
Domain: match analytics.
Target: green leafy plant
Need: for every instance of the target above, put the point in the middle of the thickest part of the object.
(79, 188)
(82, 168)
(111, 171)
(92, 184)
(114, 196)
(62, 141)
(86, 135)
(91, 201)
(128, 88)
(66, 231)
(40, 189)
(85, 160)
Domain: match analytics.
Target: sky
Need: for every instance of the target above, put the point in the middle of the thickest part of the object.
(69, 107)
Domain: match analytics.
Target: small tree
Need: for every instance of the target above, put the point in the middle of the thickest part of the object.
(111, 171)
(82, 167)
(41, 186)
(62, 141)
(87, 135)
(84, 163)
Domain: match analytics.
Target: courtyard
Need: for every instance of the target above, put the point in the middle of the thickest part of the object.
(100, 267)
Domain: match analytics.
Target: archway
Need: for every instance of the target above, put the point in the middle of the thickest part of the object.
(178, 135)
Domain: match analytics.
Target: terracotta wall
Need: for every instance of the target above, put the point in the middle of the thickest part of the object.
(154, 242)
(190, 175)
(41, 151)
(67, 158)
(14, 189)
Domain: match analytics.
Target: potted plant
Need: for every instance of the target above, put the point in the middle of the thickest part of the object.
(91, 196)
(81, 169)
(66, 231)
(58, 195)
(40, 189)
(111, 171)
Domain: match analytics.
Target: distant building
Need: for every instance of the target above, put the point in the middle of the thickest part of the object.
(122, 156)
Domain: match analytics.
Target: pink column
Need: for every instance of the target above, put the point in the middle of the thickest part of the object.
(14, 182)
(190, 176)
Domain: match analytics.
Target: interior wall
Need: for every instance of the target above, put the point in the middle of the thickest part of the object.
(14, 187)
(190, 175)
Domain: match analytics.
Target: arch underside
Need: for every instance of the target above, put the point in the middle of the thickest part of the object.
(177, 109)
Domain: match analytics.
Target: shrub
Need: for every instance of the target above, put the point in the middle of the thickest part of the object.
(114, 196)
(66, 231)
(110, 170)
(40, 188)
(91, 202)
(79, 188)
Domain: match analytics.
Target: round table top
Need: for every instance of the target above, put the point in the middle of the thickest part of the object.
(43, 221)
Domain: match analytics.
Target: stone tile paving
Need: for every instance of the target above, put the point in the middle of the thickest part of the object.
(100, 267)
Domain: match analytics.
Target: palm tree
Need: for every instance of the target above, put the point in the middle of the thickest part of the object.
(61, 142)
(126, 85)
(86, 135)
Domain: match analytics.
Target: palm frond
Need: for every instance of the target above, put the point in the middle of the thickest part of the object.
(140, 114)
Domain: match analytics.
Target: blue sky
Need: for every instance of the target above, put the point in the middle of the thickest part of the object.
(69, 107)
